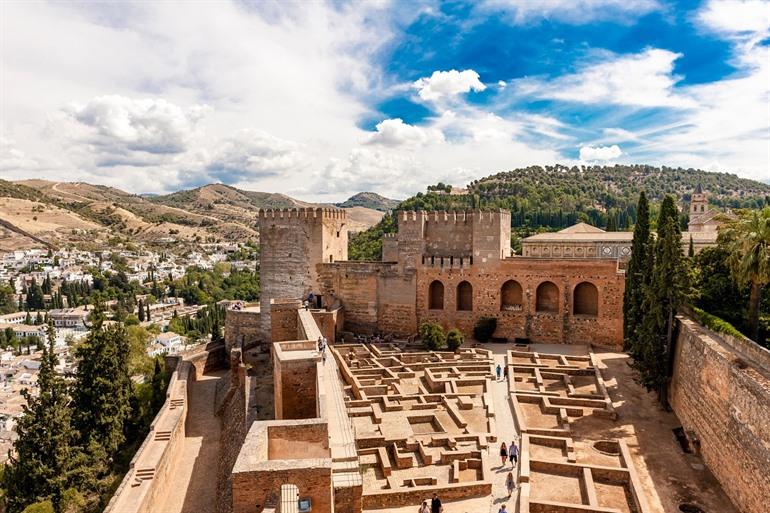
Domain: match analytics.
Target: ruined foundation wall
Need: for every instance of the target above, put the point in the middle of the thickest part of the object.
(720, 391)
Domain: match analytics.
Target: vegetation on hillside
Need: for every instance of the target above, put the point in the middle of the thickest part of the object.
(370, 200)
(555, 197)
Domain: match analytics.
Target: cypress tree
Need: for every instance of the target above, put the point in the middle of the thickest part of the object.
(664, 294)
(691, 249)
(41, 468)
(140, 311)
(637, 271)
(102, 390)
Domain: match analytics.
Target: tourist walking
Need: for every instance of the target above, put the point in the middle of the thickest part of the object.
(502, 509)
(424, 508)
(320, 344)
(510, 483)
(513, 453)
(435, 504)
(505, 373)
(503, 453)
(498, 370)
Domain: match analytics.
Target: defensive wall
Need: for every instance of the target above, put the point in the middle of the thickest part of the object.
(243, 326)
(293, 241)
(562, 301)
(720, 391)
(308, 452)
(147, 481)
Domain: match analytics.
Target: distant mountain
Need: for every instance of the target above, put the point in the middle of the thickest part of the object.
(370, 200)
(87, 215)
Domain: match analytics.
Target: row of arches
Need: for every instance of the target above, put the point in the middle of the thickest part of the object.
(585, 297)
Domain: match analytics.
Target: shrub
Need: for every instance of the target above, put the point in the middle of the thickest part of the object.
(717, 323)
(432, 335)
(485, 328)
(454, 339)
(39, 507)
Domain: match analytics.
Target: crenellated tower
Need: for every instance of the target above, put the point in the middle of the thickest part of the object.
(292, 243)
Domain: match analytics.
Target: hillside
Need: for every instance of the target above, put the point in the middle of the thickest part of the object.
(370, 200)
(554, 197)
(33, 212)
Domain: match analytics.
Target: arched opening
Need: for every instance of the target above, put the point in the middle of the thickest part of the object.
(511, 296)
(464, 296)
(585, 299)
(436, 295)
(547, 297)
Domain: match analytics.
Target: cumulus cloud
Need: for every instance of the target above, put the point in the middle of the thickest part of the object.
(644, 79)
(448, 84)
(118, 130)
(14, 159)
(591, 153)
(394, 132)
(251, 154)
(736, 18)
(571, 11)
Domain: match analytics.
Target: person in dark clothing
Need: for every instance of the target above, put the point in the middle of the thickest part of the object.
(435, 505)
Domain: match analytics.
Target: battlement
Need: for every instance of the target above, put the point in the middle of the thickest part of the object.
(453, 216)
(302, 214)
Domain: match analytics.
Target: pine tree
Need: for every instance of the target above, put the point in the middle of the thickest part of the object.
(637, 271)
(102, 390)
(664, 294)
(44, 451)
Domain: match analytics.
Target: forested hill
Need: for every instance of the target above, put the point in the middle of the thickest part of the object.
(558, 196)
(554, 197)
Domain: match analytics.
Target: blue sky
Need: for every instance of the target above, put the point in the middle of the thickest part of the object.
(323, 99)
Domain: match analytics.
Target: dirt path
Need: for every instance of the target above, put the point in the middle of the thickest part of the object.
(506, 432)
(193, 485)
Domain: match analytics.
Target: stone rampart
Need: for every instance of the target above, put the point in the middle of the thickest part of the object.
(231, 411)
(149, 474)
(720, 391)
(242, 327)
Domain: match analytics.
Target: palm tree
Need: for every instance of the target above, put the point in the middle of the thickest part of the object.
(748, 241)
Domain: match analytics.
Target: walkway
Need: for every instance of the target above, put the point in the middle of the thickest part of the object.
(505, 428)
(342, 440)
(193, 486)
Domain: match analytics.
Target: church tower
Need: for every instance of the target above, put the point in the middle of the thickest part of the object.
(698, 203)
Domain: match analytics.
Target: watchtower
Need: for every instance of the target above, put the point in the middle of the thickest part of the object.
(292, 243)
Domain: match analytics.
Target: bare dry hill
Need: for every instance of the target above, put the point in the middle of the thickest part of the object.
(87, 214)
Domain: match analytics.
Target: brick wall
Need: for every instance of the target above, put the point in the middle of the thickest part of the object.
(295, 389)
(242, 328)
(232, 416)
(720, 391)
(561, 326)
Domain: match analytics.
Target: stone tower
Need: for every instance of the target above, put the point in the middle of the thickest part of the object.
(699, 205)
(292, 243)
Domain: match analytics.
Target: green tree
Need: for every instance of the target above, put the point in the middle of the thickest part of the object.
(454, 339)
(748, 243)
(140, 311)
(667, 290)
(102, 391)
(637, 273)
(432, 335)
(44, 451)
(35, 299)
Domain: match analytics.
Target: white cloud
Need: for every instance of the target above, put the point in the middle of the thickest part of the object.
(448, 84)
(736, 18)
(571, 11)
(251, 154)
(591, 153)
(645, 79)
(117, 126)
(394, 132)
(13, 159)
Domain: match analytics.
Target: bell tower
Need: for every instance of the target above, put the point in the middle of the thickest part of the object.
(699, 205)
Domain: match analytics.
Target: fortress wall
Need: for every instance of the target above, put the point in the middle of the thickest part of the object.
(232, 415)
(140, 492)
(559, 326)
(242, 327)
(375, 296)
(720, 391)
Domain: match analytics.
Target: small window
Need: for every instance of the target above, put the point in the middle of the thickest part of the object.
(436, 295)
(464, 297)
